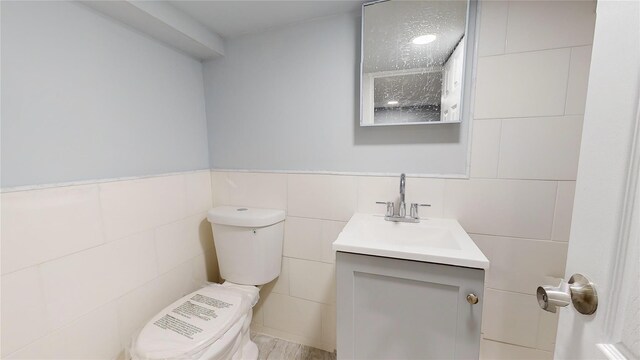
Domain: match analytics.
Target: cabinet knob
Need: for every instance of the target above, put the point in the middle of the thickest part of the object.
(472, 299)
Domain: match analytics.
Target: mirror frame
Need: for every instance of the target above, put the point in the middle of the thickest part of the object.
(469, 66)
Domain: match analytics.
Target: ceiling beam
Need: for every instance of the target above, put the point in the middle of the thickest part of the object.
(166, 24)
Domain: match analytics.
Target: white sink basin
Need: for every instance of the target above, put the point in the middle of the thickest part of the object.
(441, 241)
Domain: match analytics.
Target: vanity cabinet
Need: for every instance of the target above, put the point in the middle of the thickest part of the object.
(390, 308)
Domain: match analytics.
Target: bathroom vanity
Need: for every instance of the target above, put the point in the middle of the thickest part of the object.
(408, 290)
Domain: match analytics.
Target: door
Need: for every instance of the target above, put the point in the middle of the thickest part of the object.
(403, 309)
(604, 233)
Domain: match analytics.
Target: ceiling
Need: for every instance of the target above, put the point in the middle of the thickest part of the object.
(234, 18)
(390, 26)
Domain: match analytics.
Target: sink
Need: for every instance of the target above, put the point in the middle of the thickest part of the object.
(441, 241)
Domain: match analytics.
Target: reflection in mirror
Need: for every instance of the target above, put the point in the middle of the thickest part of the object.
(413, 58)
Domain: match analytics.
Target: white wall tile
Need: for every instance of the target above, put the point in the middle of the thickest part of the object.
(281, 284)
(293, 315)
(521, 265)
(302, 238)
(71, 283)
(311, 239)
(493, 27)
(93, 336)
(540, 148)
(205, 268)
(547, 330)
(485, 148)
(182, 240)
(132, 206)
(330, 232)
(219, 187)
(578, 80)
(139, 306)
(24, 317)
(564, 211)
(510, 317)
(377, 188)
(134, 262)
(79, 283)
(261, 190)
(180, 280)
(493, 350)
(198, 192)
(258, 312)
(41, 225)
(329, 326)
(329, 197)
(417, 190)
(312, 280)
(61, 230)
(425, 191)
(519, 208)
(504, 90)
(536, 25)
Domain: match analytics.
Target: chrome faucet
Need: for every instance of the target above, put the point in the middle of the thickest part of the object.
(402, 208)
(401, 215)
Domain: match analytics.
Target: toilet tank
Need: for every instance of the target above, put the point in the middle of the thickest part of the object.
(248, 243)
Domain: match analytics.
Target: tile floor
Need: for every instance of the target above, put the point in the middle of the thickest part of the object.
(277, 349)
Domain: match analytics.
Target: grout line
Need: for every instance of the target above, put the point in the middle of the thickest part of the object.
(555, 210)
(65, 326)
(303, 259)
(512, 344)
(518, 237)
(137, 232)
(522, 117)
(304, 299)
(535, 50)
(499, 148)
(20, 188)
(506, 29)
(103, 226)
(522, 179)
(410, 176)
(566, 87)
(342, 173)
(510, 291)
(320, 219)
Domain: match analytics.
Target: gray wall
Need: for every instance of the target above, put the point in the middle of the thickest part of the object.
(288, 99)
(85, 98)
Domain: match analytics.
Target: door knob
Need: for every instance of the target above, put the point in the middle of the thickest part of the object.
(579, 291)
(472, 299)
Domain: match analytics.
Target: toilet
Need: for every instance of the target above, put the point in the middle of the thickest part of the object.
(213, 322)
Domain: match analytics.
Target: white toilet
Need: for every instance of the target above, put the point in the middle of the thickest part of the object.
(213, 321)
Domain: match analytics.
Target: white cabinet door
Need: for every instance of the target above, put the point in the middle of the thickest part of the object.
(400, 309)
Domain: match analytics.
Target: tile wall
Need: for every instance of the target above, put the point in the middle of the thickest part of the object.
(531, 86)
(85, 266)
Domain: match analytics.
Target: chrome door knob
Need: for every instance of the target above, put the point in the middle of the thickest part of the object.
(472, 299)
(579, 291)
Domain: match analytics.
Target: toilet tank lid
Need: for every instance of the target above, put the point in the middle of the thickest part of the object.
(244, 216)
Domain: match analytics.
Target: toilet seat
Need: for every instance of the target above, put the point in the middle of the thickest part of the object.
(209, 323)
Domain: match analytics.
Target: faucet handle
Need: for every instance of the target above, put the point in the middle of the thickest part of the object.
(402, 209)
(389, 204)
(414, 209)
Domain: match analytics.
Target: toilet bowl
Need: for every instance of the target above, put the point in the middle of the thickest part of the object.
(214, 321)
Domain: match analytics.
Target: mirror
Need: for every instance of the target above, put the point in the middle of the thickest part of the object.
(414, 61)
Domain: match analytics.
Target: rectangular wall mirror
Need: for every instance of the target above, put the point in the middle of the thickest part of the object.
(416, 61)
